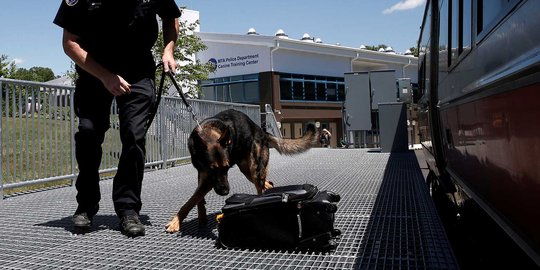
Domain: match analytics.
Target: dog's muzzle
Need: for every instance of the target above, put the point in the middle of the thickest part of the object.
(222, 189)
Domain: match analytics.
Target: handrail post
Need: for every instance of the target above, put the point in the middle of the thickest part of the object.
(72, 139)
(270, 119)
(1, 144)
(162, 135)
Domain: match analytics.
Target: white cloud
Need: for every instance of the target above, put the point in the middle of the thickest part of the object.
(17, 61)
(404, 5)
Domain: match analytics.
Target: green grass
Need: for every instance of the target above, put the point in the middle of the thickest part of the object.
(36, 147)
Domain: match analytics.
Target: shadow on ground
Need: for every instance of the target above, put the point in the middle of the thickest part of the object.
(99, 222)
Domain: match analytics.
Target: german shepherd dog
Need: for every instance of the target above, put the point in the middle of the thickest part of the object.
(227, 139)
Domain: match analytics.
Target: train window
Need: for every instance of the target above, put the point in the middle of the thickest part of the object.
(426, 32)
(454, 31)
(460, 28)
(422, 77)
(466, 26)
(443, 37)
(490, 12)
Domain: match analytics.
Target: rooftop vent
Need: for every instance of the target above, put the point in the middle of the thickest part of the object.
(381, 50)
(281, 34)
(362, 47)
(252, 31)
(307, 38)
(389, 50)
(408, 52)
(318, 40)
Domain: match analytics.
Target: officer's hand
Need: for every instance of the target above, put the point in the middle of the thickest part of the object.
(116, 85)
(169, 64)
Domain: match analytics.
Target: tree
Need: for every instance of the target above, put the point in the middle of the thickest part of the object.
(3, 65)
(72, 73)
(6, 68)
(414, 51)
(190, 70)
(35, 74)
(376, 48)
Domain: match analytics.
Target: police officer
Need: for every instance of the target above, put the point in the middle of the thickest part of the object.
(110, 42)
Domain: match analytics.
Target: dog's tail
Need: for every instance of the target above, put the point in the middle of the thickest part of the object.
(295, 146)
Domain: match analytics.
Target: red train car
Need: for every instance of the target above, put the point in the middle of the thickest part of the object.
(479, 108)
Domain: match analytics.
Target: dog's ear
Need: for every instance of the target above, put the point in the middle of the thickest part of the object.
(225, 138)
(197, 136)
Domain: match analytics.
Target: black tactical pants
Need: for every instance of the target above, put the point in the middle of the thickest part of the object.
(93, 106)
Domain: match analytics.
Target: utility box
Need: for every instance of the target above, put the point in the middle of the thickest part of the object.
(383, 87)
(404, 90)
(357, 101)
(393, 127)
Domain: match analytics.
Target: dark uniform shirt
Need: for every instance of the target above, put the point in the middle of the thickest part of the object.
(118, 34)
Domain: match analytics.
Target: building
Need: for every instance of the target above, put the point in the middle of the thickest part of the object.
(302, 79)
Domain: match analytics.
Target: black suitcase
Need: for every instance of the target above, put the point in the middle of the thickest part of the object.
(287, 217)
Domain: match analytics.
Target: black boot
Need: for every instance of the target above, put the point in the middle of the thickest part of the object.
(131, 226)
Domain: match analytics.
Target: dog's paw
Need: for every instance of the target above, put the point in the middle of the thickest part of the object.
(173, 225)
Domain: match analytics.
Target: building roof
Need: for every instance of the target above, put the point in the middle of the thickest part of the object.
(61, 81)
(358, 56)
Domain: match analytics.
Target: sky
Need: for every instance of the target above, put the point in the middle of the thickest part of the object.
(29, 38)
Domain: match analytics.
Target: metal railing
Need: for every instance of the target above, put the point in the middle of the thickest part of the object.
(38, 123)
(271, 123)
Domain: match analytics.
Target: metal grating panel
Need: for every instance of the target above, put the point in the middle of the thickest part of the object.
(386, 217)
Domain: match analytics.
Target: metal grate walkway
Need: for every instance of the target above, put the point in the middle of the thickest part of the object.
(386, 216)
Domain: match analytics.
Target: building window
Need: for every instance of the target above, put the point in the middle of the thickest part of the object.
(321, 91)
(222, 93)
(285, 89)
(208, 93)
(307, 88)
(340, 91)
(237, 92)
(251, 92)
(239, 89)
(331, 93)
(298, 90)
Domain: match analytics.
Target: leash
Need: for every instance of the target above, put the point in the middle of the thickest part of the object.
(170, 74)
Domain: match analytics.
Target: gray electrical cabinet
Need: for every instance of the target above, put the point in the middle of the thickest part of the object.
(393, 127)
(404, 90)
(357, 101)
(383, 87)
